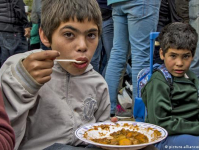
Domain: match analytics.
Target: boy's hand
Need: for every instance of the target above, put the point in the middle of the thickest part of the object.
(39, 65)
(114, 119)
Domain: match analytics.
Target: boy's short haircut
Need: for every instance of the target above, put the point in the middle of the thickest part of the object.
(53, 12)
(178, 36)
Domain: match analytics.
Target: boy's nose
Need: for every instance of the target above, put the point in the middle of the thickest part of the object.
(179, 62)
(82, 46)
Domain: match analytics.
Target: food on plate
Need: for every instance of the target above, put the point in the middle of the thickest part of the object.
(123, 137)
(126, 134)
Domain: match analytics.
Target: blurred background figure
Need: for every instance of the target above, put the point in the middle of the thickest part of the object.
(133, 22)
(34, 37)
(36, 18)
(194, 21)
(102, 53)
(14, 29)
(182, 9)
(170, 11)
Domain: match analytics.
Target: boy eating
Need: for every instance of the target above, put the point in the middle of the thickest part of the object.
(47, 100)
(175, 106)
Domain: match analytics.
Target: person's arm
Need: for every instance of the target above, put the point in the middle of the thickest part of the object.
(18, 95)
(7, 137)
(103, 112)
(22, 17)
(157, 100)
(20, 84)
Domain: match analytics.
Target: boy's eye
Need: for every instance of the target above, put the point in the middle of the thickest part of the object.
(172, 56)
(68, 34)
(92, 35)
(186, 56)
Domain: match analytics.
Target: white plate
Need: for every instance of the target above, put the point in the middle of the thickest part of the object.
(144, 128)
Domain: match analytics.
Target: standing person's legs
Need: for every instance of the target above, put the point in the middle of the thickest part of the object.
(164, 19)
(95, 62)
(142, 20)
(194, 21)
(119, 53)
(182, 9)
(12, 43)
(179, 142)
(22, 44)
(107, 39)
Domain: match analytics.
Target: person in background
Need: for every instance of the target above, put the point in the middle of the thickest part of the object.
(14, 29)
(182, 9)
(170, 11)
(194, 21)
(175, 105)
(36, 18)
(102, 54)
(34, 37)
(168, 14)
(133, 21)
(7, 137)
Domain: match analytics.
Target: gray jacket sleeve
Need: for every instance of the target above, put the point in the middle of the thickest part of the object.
(103, 111)
(19, 93)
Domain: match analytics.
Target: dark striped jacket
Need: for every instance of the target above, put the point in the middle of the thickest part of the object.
(12, 16)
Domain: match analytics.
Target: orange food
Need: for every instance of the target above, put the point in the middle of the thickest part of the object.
(130, 134)
(125, 142)
(123, 137)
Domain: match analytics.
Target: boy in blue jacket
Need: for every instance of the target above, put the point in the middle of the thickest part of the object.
(175, 106)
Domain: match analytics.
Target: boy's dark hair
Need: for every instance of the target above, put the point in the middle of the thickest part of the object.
(53, 12)
(178, 36)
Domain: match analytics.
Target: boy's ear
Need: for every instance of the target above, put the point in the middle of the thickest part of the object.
(43, 38)
(161, 54)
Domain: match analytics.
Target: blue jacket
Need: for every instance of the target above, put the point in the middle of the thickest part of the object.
(115, 1)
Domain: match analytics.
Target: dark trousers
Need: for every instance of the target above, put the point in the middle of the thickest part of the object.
(170, 11)
(10, 44)
(58, 146)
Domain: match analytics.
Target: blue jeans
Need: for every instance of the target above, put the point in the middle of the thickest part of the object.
(194, 21)
(133, 22)
(179, 142)
(106, 42)
(10, 44)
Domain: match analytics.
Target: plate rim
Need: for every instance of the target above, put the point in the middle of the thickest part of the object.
(120, 146)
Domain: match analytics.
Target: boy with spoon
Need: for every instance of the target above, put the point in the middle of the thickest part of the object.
(47, 100)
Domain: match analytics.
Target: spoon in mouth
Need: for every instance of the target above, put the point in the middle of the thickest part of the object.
(69, 60)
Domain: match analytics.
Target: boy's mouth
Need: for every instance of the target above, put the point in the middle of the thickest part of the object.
(179, 71)
(83, 64)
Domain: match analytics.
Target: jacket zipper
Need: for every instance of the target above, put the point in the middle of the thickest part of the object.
(73, 116)
(68, 101)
